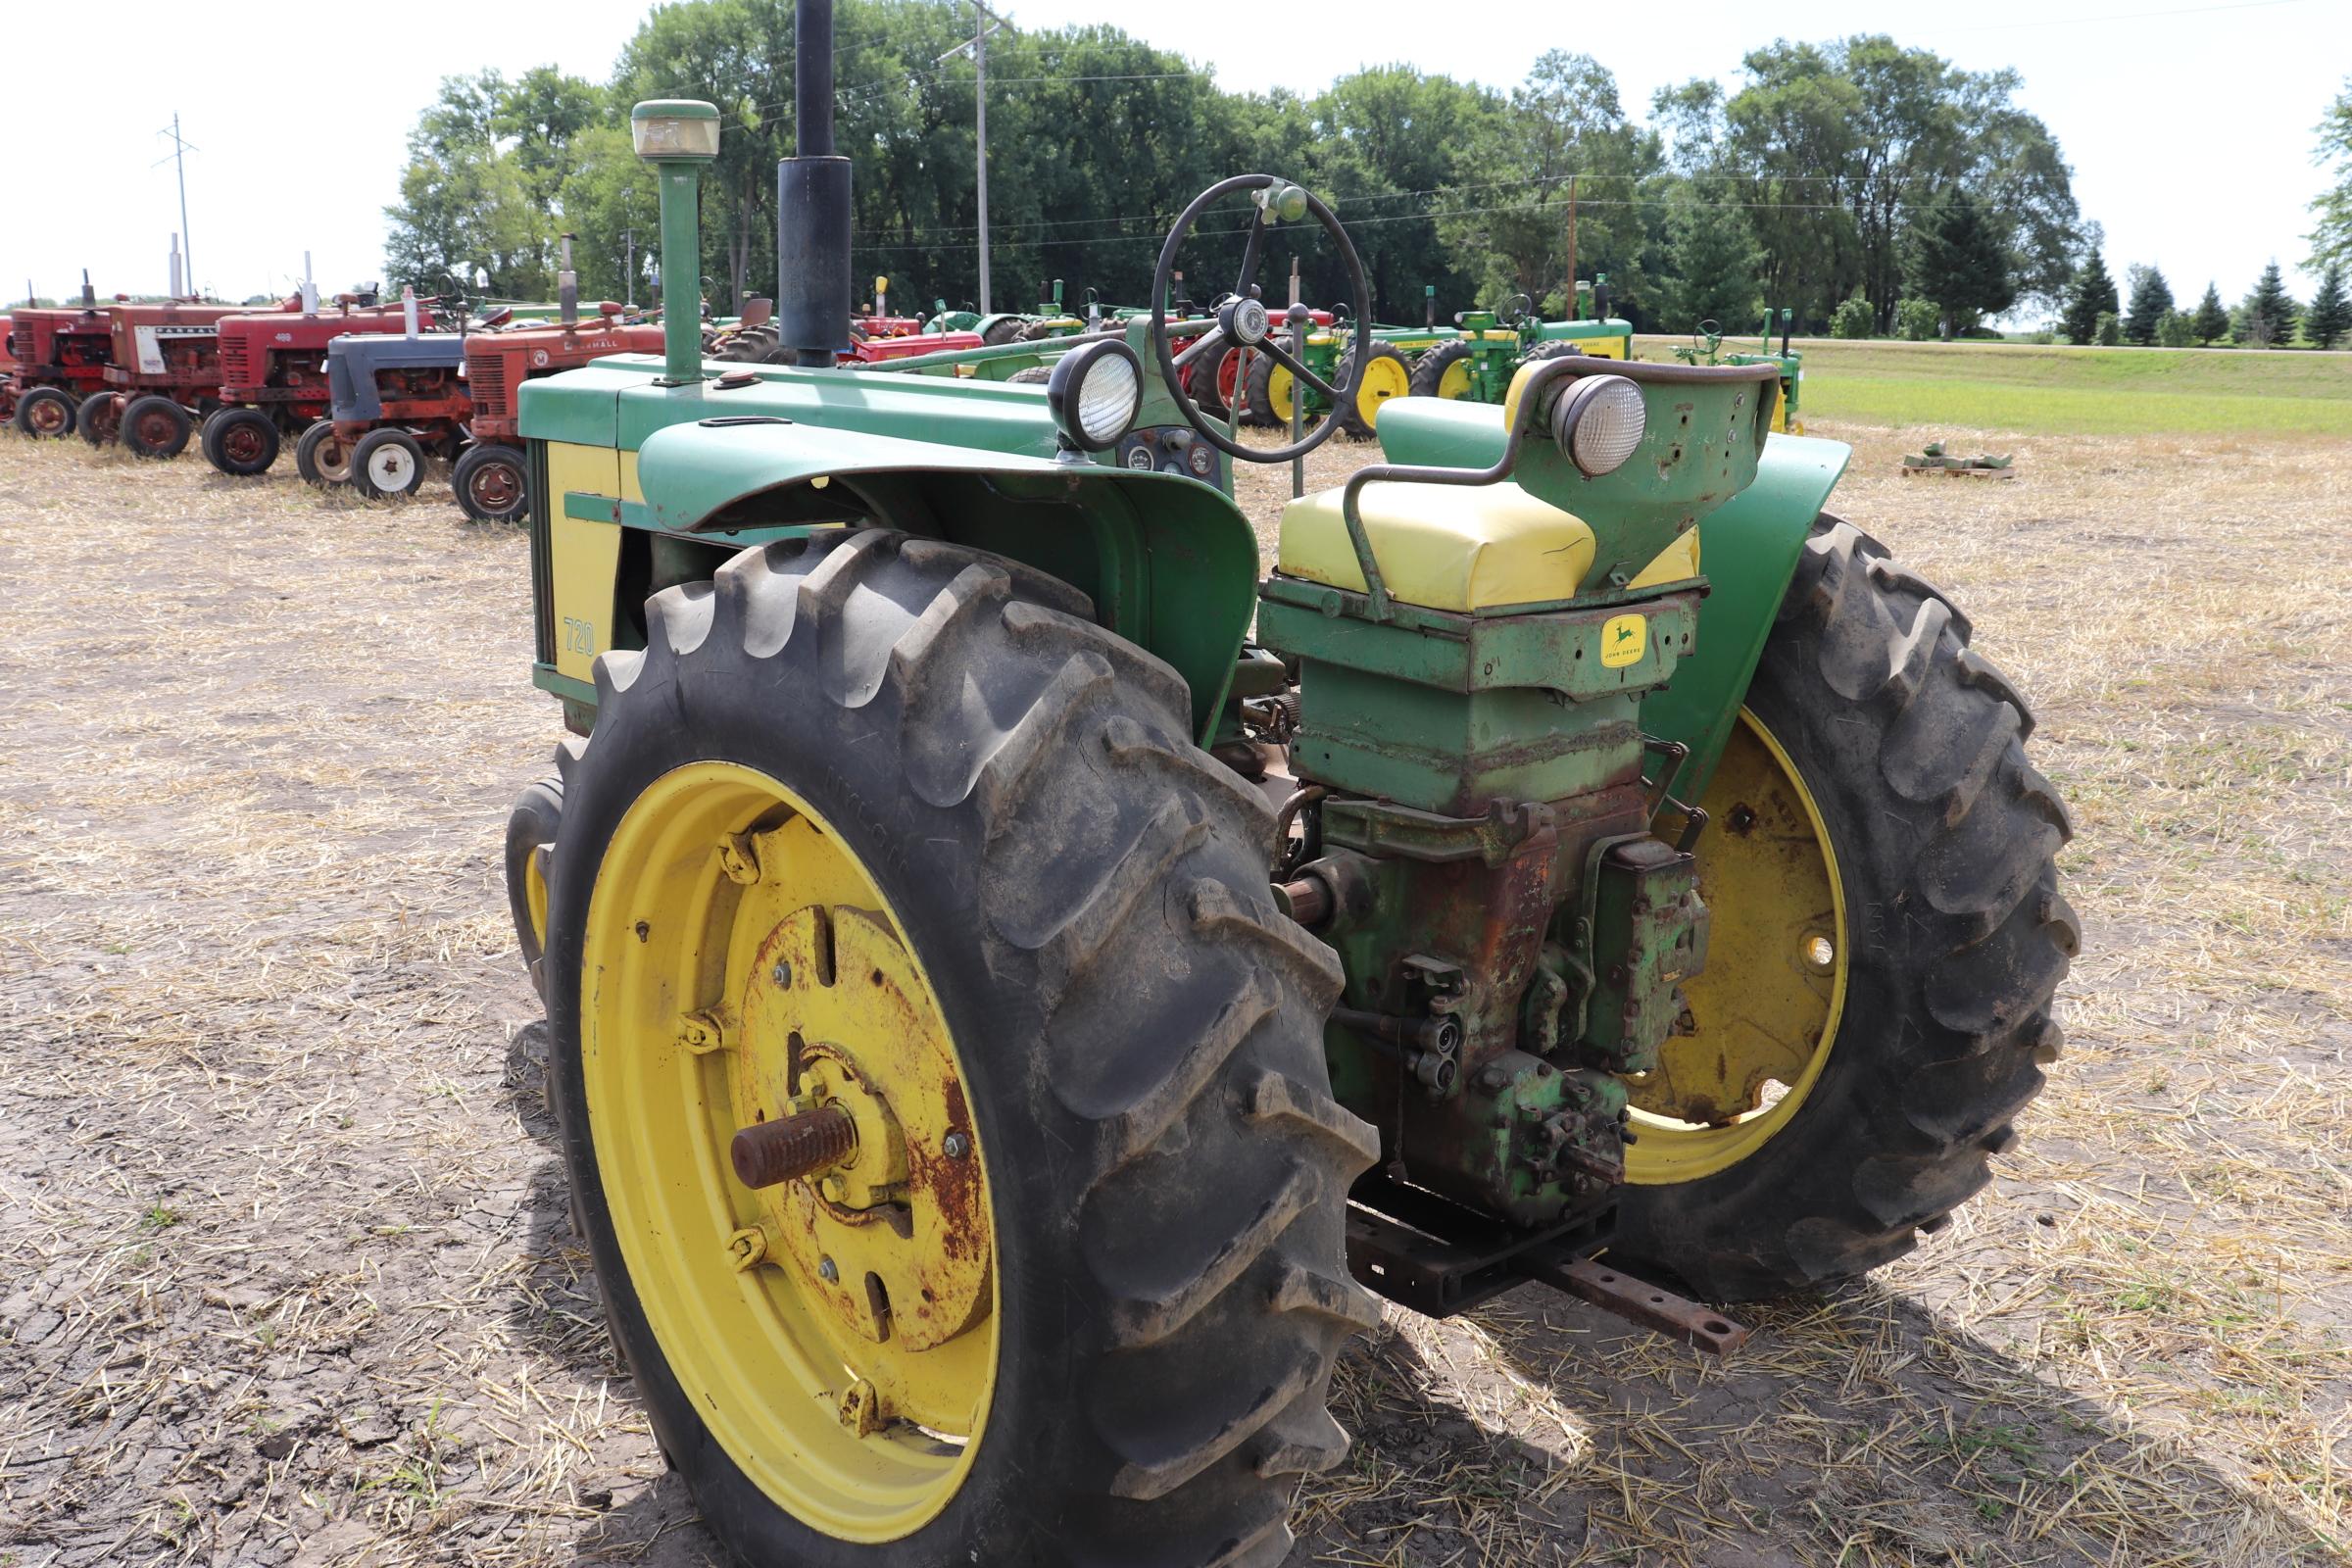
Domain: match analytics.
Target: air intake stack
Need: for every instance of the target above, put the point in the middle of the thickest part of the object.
(812, 203)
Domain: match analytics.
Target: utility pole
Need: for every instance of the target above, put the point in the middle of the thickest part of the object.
(628, 267)
(179, 155)
(984, 22)
(1575, 299)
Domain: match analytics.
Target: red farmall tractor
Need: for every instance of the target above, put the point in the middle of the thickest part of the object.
(164, 375)
(61, 352)
(273, 382)
(8, 369)
(491, 477)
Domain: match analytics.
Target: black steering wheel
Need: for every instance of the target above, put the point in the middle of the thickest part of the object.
(1244, 321)
(1514, 308)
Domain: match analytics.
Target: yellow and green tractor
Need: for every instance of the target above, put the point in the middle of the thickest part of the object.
(1024, 983)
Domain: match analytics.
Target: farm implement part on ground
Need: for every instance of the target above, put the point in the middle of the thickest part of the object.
(1491, 346)
(163, 376)
(1706, 348)
(1006, 1027)
(62, 354)
(273, 374)
(1934, 463)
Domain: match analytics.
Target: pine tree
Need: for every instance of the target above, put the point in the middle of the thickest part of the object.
(2271, 311)
(2094, 295)
(2212, 320)
(2330, 315)
(2151, 299)
(1715, 263)
(1954, 257)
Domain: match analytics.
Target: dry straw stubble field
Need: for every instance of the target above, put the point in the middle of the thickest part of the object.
(285, 1270)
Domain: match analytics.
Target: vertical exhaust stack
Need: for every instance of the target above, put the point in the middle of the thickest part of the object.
(175, 293)
(812, 203)
(309, 288)
(567, 286)
(89, 296)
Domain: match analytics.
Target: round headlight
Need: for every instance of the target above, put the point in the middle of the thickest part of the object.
(1095, 393)
(1598, 422)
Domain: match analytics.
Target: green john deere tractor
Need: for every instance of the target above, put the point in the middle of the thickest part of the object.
(1008, 1029)
(1706, 348)
(1479, 364)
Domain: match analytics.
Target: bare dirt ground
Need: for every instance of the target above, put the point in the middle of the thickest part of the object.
(285, 1270)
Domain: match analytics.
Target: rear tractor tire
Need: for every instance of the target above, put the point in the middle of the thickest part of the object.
(320, 456)
(1267, 389)
(491, 483)
(1885, 941)
(889, 827)
(387, 465)
(45, 413)
(240, 442)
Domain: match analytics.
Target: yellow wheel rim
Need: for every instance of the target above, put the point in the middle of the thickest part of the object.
(1455, 382)
(1384, 378)
(1767, 1002)
(837, 1333)
(534, 893)
(1278, 393)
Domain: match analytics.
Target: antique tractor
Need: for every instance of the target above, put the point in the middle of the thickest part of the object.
(61, 352)
(163, 376)
(1330, 350)
(1008, 1031)
(273, 374)
(1706, 348)
(1478, 365)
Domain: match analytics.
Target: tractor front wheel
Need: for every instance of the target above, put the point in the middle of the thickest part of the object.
(157, 427)
(490, 483)
(1386, 374)
(1447, 370)
(242, 442)
(100, 418)
(320, 456)
(1266, 390)
(387, 464)
(45, 413)
(1886, 936)
(942, 1093)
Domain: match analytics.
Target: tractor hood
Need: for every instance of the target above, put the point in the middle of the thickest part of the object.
(702, 475)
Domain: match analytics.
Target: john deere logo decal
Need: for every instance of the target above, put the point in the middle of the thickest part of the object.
(1623, 639)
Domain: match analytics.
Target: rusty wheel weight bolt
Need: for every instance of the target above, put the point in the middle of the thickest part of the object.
(769, 1153)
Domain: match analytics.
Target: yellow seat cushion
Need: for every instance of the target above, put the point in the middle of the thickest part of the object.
(1462, 548)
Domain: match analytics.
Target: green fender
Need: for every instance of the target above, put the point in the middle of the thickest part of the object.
(1171, 563)
(1748, 548)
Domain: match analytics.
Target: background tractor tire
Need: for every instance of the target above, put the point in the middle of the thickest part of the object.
(492, 483)
(45, 413)
(1140, 1034)
(1000, 333)
(1386, 374)
(387, 464)
(1034, 375)
(532, 826)
(242, 442)
(321, 457)
(1430, 375)
(99, 420)
(157, 427)
(1943, 836)
(1259, 388)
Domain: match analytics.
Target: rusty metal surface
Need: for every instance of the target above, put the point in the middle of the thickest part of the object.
(767, 1152)
(1653, 1306)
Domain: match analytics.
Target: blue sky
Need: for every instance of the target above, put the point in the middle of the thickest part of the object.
(2189, 127)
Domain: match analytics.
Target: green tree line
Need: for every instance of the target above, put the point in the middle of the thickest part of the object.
(1857, 169)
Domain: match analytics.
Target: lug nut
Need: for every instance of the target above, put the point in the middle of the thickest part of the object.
(827, 1270)
(956, 1145)
(767, 1153)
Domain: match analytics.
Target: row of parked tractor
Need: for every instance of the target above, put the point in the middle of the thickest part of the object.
(366, 391)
